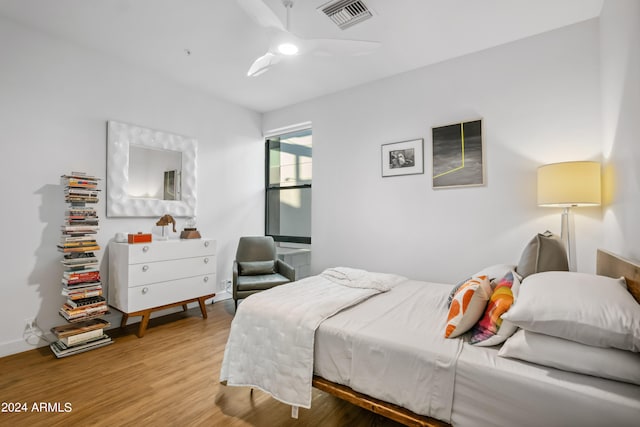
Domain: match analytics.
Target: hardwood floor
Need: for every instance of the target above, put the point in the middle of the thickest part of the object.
(168, 378)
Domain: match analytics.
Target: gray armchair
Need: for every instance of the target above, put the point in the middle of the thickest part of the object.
(257, 267)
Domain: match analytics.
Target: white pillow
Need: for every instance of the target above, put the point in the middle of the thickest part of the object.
(496, 271)
(571, 356)
(590, 309)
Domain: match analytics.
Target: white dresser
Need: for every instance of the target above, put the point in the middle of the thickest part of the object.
(145, 277)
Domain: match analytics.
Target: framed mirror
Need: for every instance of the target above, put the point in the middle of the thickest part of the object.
(150, 173)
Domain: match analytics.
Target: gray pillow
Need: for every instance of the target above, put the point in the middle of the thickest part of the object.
(545, 252)
(253, 268)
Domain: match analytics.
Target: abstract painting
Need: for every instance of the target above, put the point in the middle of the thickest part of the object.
(458, 158)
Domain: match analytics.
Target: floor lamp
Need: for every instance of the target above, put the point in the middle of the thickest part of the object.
(568, 185)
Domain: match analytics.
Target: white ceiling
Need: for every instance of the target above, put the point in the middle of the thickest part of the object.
(223, 41)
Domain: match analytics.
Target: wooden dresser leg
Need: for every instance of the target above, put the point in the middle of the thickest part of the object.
(123, 322)
(144, 323)
(203, 308)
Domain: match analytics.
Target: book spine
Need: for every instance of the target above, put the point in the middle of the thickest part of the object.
(80, 338)
(89, 272)
(85, 302)
(81, 295)
(79, 249)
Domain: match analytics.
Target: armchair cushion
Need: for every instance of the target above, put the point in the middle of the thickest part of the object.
(267, 281)
(253, 268)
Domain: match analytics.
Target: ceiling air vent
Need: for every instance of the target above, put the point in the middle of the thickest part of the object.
(345, 13)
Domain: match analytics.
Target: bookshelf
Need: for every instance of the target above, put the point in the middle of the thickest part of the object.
(81, 282)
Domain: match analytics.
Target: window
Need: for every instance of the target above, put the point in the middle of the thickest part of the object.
(288, 187)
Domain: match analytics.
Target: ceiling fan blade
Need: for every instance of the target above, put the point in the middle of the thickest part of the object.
(263, 64)
(286, 43)
(261, 14)
(341, 47)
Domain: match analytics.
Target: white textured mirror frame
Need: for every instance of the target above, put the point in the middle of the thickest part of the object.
(119, 203)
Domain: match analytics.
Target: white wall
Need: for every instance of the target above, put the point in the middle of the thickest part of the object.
(539, 99)
(620, 56)
(55, 99)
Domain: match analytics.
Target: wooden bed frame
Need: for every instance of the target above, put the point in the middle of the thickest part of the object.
(607, 264)
(611, 265)
(380, 407)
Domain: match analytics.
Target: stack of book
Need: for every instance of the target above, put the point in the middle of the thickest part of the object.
(80, 307)
(81, 222)
(79, 337)
(80, 188)
(81, 283)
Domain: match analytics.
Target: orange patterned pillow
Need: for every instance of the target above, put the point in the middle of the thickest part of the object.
(491, 329)
(467, 306)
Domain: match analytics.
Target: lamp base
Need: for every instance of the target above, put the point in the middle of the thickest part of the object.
(567, 237)
(190, 233)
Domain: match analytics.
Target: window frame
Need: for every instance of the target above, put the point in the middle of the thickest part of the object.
(269, 188)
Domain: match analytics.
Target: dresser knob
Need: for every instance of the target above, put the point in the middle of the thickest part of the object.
(206, 260)
(206, 244)
(145, 290)
(145, 267)
(145, 248)
(206, 279)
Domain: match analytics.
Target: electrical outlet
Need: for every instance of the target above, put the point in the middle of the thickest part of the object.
(30, 323)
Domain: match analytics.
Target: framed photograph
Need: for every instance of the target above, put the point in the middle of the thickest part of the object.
(403, 158)
(458, 155)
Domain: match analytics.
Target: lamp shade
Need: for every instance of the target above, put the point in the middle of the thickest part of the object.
(569, 184)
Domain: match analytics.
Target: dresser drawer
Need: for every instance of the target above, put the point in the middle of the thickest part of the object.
(171, 249)
(163, 271)
(158, 294)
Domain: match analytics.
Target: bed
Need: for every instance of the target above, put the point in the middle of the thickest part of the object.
(386, 353)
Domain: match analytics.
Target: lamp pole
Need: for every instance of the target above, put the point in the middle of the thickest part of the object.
(567, 236)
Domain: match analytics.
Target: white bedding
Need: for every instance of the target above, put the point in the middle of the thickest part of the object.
(271, 340)
(392, 347)
(496, 391)
(379, 350)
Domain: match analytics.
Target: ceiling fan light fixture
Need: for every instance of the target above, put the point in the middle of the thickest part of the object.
(288, 48)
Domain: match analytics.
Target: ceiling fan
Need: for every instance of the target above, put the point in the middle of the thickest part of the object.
(285, 43)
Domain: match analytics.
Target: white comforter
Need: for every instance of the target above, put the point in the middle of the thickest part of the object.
(392, 348)
(271, 340)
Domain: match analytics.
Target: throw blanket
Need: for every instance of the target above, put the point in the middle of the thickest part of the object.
(355, 278)
(271, 340)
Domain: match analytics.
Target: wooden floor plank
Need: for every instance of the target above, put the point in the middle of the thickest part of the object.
(168, 378)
